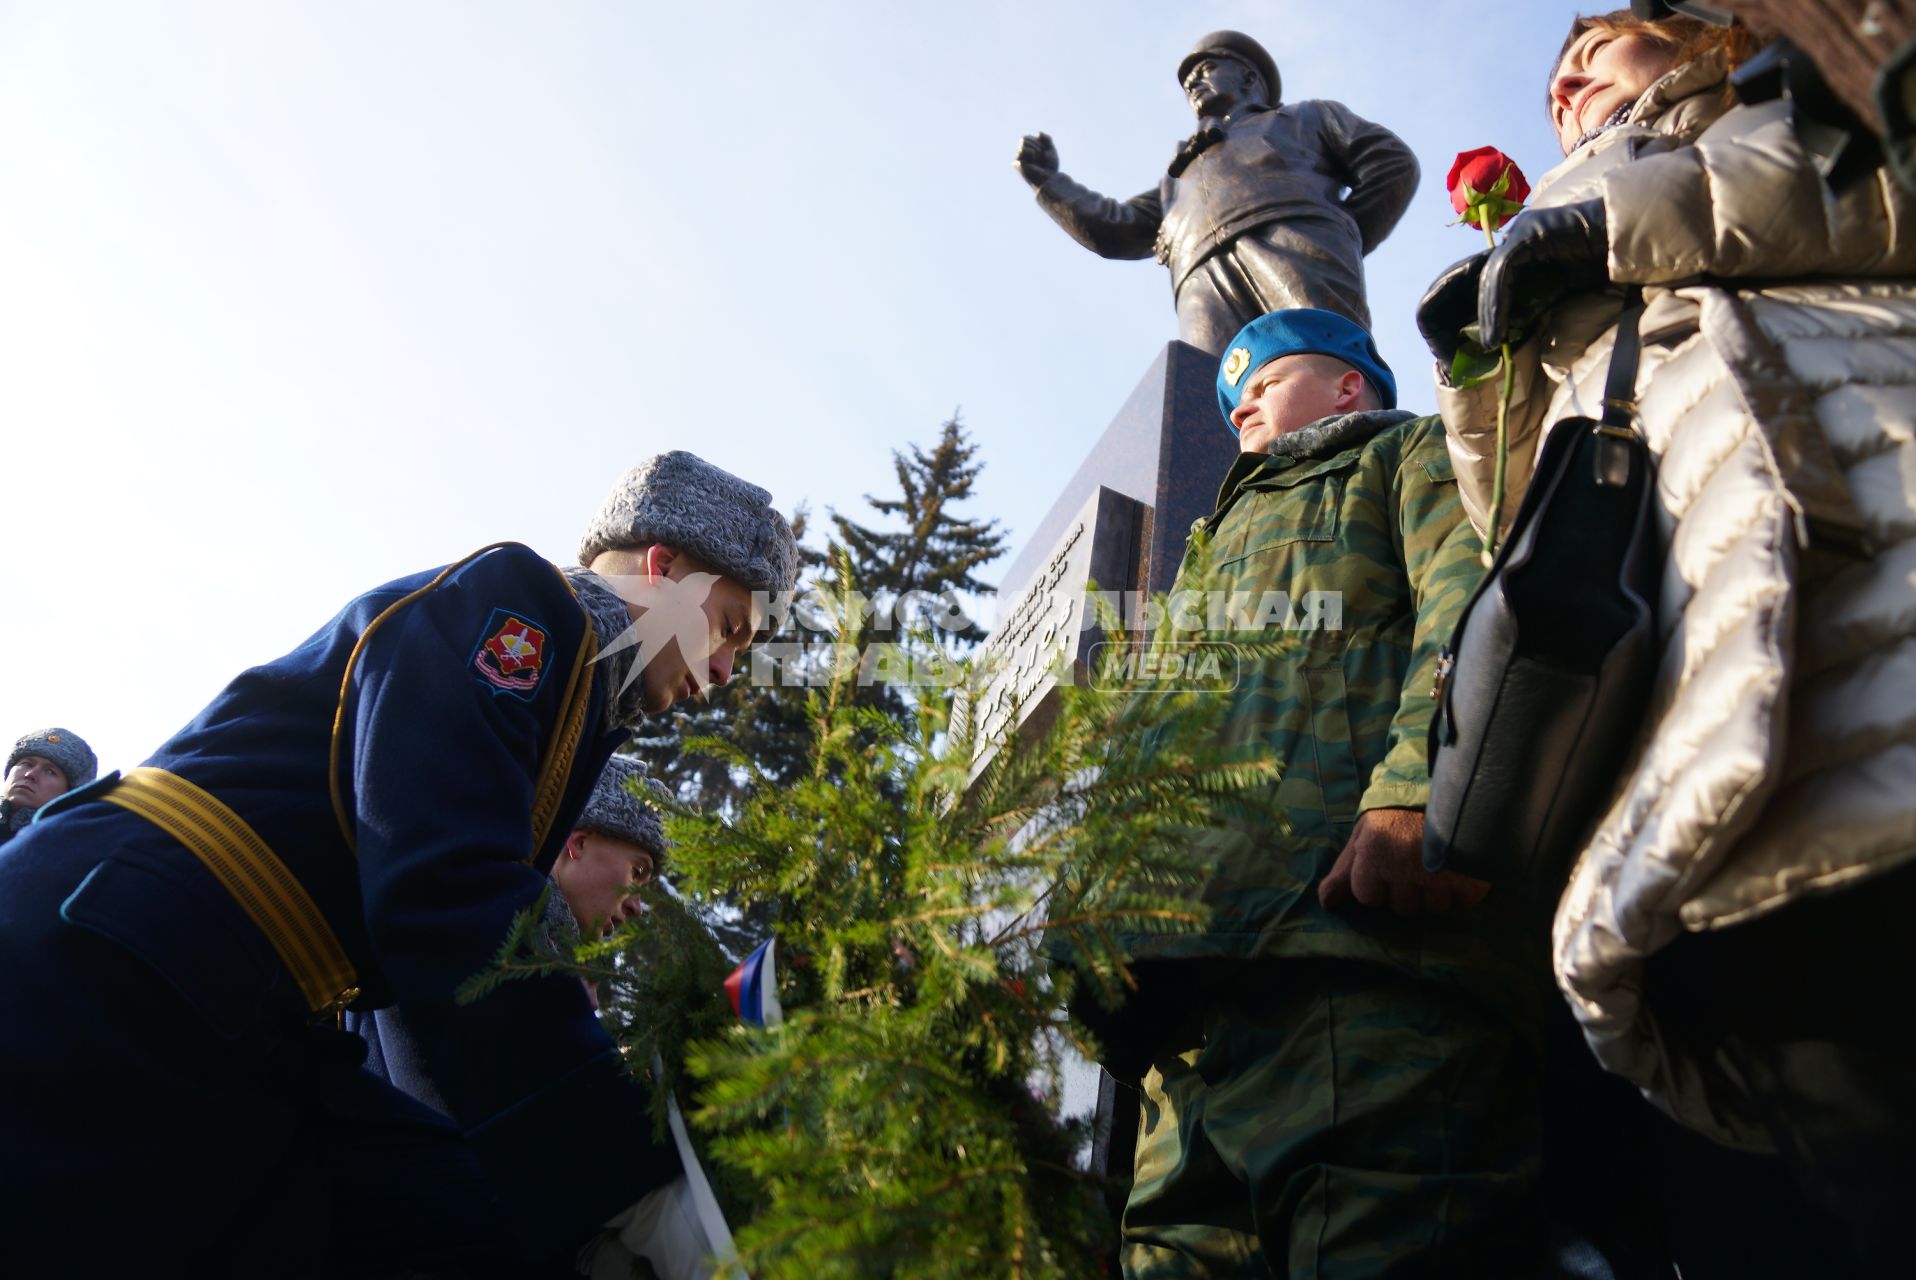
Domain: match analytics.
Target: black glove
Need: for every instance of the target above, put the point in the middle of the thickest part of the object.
(1448, 305)
(1547, 255)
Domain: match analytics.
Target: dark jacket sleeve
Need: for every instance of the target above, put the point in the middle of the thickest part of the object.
(443, 775)
(1109, 228)
(1377, 166)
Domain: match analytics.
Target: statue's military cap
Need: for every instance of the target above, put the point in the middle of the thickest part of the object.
(1235, 44)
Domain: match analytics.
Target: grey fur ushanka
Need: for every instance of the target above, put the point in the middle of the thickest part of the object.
(1777, 390)
(686, 503)
(616, 809)
(62, 746)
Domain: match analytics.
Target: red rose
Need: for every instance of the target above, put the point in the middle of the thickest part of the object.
(1486, 179)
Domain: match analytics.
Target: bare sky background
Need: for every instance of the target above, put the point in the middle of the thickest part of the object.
(295, 298)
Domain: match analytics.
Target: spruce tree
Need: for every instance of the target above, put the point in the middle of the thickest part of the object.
(916, 574)
(927, 553)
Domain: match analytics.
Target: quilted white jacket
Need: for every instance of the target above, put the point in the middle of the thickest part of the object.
(1777, 390)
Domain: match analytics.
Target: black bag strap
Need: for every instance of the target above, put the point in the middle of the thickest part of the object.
(1620, 388)
(1614, 461)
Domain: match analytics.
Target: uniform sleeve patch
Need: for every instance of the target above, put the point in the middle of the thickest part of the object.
(511, 655)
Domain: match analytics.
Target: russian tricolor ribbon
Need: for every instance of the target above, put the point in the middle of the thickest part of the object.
(753, 988)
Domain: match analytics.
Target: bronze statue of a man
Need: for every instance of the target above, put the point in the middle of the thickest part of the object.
(1252, 215)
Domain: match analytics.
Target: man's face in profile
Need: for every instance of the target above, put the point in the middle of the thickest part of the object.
(600, 876)
(1217, 85)
(725, 619)
(34, 780)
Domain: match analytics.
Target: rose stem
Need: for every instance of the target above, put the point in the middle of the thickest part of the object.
(1509, 372)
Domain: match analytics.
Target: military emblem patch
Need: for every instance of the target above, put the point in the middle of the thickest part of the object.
(512, 655)
(1235, 364)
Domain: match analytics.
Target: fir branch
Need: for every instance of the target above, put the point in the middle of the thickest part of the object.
(890, 1126)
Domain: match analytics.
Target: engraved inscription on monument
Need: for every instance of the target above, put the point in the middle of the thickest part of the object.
(1045, 636)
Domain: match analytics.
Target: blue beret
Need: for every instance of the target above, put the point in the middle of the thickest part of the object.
(1295, 332)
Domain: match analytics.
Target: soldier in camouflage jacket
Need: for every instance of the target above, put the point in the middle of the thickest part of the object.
(1339, 1075)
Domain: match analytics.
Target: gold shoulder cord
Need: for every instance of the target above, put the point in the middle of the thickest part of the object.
(559, 754)
(272, 896)
(564, 747)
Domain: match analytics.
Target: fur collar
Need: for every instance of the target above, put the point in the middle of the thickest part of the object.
(1331, 435)
(610, 619)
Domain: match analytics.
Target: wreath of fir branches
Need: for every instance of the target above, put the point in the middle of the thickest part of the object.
(933, 929)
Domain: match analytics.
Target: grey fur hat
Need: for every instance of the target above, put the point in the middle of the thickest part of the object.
(65, 748)
(685, 502)
(615, 809)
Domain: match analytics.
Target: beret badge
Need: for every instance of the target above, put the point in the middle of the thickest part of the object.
(1236, 363)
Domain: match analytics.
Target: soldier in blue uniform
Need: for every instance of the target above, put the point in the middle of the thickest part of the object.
(42, 767)
(615, 849)
(355, 825)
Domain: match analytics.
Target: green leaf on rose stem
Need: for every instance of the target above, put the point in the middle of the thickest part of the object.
(1473, 366)
(1501, 186)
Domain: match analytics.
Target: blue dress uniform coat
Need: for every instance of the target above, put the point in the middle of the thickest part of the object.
(415, 769)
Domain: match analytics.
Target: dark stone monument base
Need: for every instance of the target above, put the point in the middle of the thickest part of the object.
(1167, 447)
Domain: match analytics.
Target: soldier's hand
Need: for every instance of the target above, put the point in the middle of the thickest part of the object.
(1382, 865)
(1037, 159)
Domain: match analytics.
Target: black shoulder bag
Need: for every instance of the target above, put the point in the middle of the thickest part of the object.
(1543, 686)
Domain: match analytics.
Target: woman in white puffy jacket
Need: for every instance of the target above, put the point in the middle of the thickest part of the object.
(1767, 822)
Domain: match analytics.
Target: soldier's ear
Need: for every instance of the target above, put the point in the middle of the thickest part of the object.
(575, 844)
(1363, 393)
(1344, 393)
(659, 560)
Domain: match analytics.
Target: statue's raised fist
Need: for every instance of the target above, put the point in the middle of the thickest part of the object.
(1037, 158)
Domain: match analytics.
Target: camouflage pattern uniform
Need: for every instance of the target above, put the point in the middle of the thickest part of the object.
(1344, 1093)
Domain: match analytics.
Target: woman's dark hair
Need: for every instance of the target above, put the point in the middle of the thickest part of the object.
(1685, 38)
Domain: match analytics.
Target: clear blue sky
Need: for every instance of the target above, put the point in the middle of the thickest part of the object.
(297, 298)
